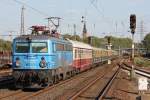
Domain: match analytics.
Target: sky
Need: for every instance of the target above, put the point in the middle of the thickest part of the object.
(103, 17)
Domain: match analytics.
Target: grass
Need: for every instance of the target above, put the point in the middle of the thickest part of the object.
(142, 62)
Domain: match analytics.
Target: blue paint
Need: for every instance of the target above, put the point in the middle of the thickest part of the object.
(53, 58)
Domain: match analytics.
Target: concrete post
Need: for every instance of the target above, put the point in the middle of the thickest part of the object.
(109, 49)
(132, 73)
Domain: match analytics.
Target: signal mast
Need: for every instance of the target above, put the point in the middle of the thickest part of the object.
(132, 27)
(22, 21)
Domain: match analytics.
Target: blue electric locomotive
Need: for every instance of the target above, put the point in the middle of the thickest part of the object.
(39, 60)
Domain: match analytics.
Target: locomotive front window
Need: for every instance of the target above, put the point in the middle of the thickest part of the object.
(22, 47)
(39, 47)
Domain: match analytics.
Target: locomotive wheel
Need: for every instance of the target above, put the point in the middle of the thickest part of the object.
(72, 73)
(61, 76)
(64, 76)
(56, 79)
(68, 75)
(50, 77)
(51, 81)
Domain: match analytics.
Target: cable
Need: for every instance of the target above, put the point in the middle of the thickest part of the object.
(34, 9)
(95, 6)
(93, 3)
(10, 35)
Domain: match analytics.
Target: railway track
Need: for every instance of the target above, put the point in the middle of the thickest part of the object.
(63, 89)
(5, 72)
(6, 80)
(15, 95)
(100, 92)
(62, 83)
(147, 59)
(8, 92)
(24, 95)
(137, 70)
(65, 86)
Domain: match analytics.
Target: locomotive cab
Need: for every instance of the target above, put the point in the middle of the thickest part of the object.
(25, 54)
(40, 60)
(29, 56)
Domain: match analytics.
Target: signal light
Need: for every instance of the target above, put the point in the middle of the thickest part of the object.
(108, 39)
(132, 23)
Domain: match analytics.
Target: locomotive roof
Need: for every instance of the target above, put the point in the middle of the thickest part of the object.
(37, 37)
(80, 44)
(34, 37)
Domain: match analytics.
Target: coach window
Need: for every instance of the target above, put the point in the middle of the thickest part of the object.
(75, 53)
(82, 51)
(79, 53)
(68, 47)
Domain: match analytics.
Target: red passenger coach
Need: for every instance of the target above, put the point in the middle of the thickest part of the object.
(82, 55)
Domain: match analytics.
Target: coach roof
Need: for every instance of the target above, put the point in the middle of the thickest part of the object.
(80, 44)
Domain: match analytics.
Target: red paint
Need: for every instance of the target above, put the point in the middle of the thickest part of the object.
(82, 63)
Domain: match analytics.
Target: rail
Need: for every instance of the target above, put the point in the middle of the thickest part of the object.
(51, 87)
(6, 80)
(108, 85)
(137, 70)
(147, 59)
(102, 93)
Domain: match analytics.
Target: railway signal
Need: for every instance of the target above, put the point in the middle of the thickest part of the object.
(132, 27)
(108, 39)
(109, 47)
(132, 23)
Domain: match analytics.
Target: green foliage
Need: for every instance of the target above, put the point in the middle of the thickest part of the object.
(98, 42)
(5, 45)
(122, 42)
(102, 42)
(141, 62)
(146, 42)
(76, 37)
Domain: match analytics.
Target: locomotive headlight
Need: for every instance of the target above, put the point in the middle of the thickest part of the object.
(42, 62)
(17, 62)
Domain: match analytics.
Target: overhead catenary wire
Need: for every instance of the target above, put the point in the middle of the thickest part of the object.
(100, 12)
(95, 6)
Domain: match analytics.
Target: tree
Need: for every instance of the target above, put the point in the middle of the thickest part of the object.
(119, 42)
(5, 45)
(102, 42)
(146, 42)
(72, 37)
(76, 37)
(65, 36)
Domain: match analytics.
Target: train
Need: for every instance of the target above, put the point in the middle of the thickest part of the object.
(42, 60)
